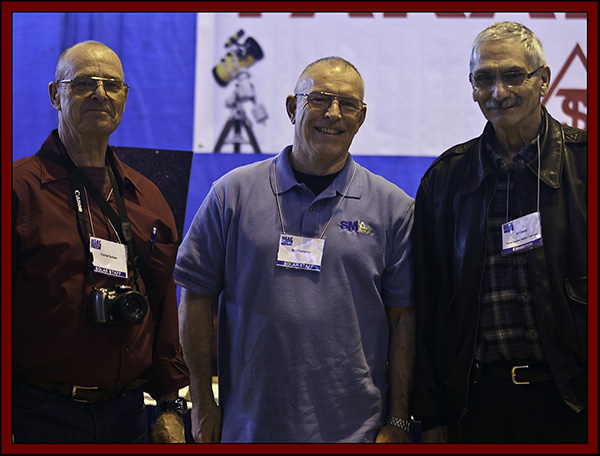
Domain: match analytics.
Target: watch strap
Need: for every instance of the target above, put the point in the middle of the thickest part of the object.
(178, 405)
(401, 423)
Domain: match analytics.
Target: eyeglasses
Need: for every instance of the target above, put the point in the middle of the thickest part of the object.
(86, 85)
(322, 100)
(513, 79)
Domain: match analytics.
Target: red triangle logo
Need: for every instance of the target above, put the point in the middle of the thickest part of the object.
(573, 99)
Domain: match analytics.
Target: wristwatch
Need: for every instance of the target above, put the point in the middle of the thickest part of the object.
(399, 422)
(178, 406)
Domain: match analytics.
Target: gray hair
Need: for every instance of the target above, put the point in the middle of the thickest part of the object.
(511, 31)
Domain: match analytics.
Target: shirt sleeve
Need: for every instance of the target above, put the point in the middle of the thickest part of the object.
(201, 257)
(398, 286)
(168, 372)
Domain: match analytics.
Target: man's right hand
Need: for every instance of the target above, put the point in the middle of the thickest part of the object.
(438, 434)
(207, 422)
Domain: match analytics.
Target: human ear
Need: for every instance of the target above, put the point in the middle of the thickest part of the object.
(54, 95)
(545, 76)
(290, 107)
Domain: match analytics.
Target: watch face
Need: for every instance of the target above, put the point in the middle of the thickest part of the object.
(178, 405)
(181, 404)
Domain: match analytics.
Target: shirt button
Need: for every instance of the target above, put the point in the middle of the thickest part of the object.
(311, 210)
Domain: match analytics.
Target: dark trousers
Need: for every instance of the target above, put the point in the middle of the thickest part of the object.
(43, 417)
(501, 412)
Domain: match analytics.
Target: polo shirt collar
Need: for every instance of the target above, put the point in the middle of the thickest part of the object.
(286, 179)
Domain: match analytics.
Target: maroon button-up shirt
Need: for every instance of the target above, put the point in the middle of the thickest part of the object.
(52, 336)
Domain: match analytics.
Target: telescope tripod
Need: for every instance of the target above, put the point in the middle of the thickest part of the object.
(237, 121)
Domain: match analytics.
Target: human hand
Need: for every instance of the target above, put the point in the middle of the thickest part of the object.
(438, 434)
(207, 423)
(391, 434)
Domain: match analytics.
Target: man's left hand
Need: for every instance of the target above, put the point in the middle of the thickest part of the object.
(168, 428)
(391, 434)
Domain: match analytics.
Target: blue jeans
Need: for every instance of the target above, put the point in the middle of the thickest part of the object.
(43, 417)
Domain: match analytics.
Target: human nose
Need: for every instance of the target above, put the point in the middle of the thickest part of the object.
(333, 111)
(500, 89)
(97, 93)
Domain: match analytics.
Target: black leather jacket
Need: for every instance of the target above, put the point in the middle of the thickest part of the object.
(449, 248)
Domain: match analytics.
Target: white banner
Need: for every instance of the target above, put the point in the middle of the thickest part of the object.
(415, 67)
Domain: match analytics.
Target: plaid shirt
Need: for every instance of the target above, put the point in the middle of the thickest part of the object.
(507, 325)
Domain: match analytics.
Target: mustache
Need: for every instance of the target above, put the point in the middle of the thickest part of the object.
(504, 104)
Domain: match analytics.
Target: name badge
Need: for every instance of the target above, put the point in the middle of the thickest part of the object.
(297, 252)
(522, 234)
(109, 258)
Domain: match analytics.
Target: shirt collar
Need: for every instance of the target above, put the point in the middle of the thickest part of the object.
(552, 144)
(518, 162)
(52, 171)
(286, 179)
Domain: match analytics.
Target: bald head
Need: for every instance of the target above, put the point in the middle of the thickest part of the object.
(66, 58)
(335, 64)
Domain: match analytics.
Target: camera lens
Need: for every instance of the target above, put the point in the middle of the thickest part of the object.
(130, 307)
(135, 306)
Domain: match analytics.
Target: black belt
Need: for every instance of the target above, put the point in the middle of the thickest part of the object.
(520, 374)
(87, 394)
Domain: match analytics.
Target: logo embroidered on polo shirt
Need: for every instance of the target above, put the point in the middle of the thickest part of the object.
(358, 226)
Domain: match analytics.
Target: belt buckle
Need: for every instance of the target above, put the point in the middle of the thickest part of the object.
(513, 375)
(77, 388)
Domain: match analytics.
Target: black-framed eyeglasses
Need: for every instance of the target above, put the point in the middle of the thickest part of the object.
(486, 81)
(87, 84)
(322, 100)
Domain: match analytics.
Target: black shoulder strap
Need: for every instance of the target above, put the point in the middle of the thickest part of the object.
(120, 221)
(81, 222)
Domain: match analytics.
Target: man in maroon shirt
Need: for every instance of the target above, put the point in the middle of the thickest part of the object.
(94, 301)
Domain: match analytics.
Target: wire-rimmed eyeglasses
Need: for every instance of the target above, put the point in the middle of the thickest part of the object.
(87, 84)
(322, 100)
(485, 81)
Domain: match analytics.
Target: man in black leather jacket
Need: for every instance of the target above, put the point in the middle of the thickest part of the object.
(501, 264)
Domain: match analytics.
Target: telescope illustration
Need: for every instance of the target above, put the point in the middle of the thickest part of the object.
(234, 67)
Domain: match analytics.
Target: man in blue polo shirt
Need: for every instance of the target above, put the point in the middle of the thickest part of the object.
(309, 257)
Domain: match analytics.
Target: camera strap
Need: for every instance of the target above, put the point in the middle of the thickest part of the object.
(81, 222)
(120, 221)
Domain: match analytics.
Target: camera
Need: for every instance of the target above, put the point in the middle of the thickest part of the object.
(120, 305)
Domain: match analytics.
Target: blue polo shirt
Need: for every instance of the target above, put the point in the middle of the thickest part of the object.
(302, 354)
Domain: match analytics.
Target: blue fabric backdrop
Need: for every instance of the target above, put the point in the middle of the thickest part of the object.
(158, 55)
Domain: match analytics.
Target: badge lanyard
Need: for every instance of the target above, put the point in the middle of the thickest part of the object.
(87, 202)
(78, 180)
(120, 221)
(523, 233)
(299, 252)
